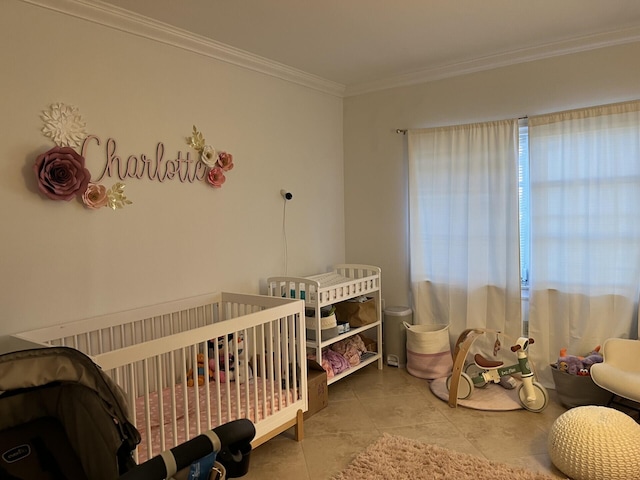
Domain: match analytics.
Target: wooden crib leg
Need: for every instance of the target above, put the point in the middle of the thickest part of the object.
(299, 429)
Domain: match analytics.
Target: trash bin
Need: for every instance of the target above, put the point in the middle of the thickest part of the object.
(394, 341)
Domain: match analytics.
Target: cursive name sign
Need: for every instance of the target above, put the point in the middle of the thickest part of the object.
(155, 167)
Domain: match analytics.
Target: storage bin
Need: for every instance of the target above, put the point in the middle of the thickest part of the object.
(328, 327)
(394, 334)
(428, 351)
(577, 390)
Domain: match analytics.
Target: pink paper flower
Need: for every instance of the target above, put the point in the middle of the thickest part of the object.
(61, 173)
(95, 196)
(216, 177)
(225, 161)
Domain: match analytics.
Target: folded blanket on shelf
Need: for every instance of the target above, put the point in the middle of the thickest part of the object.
(336, 361)
(350, 348)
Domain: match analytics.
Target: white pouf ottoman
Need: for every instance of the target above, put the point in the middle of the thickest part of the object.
(595, 443)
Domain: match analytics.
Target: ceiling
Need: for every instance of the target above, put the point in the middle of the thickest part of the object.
(370, 44)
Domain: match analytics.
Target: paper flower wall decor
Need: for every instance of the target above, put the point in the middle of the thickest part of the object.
(217, 163)
(64, 125)
(60, 171)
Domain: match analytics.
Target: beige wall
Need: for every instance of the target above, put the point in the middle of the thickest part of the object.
(375, 156)
(62, 262)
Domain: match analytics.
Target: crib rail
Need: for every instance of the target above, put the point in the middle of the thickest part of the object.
(110, 332)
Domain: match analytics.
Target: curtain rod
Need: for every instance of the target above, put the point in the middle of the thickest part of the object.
(404, 131)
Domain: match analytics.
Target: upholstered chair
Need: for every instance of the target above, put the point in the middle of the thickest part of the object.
(619, 371)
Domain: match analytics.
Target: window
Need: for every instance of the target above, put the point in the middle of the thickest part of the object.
(584, 183)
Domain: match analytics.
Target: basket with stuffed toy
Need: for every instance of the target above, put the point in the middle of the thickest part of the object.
(572, 378)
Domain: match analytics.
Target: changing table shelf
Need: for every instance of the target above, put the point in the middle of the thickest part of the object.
(344, 282)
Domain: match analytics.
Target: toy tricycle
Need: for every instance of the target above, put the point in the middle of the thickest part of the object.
(532, 395)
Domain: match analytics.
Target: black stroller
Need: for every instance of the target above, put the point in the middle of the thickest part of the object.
(62, 418)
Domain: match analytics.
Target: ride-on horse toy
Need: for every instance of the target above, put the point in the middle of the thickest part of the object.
(531, 394)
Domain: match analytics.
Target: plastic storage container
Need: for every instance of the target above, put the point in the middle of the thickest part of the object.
(394, 341)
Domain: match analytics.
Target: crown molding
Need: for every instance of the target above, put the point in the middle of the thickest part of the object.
(132, 23)
(591, 42)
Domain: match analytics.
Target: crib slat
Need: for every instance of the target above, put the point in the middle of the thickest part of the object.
(254, 348)
(216, 376)
(207, 391)
(185, 395)
(159, 384)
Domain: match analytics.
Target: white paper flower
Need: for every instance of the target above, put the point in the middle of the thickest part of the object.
(64, 125)
(209, 156)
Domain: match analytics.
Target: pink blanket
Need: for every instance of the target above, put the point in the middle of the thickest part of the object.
(225, 405)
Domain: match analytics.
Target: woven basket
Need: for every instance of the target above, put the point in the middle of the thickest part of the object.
(428, 351)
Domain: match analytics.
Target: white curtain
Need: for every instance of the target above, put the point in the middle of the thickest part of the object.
(585, 229)
(463, 184)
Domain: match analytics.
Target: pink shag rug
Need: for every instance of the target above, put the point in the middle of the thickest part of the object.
(394, 457)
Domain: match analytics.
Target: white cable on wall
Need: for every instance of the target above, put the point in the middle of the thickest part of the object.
(284, 235)
(286, 196)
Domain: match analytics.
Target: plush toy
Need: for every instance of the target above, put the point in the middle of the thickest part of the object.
(593, 357)
(226, 357)
(571, 364)
(595, 351)
(200, 370)
(241, 376)
(228, 368)
(578, 365)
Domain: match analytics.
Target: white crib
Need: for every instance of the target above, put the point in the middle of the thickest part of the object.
(149, 351)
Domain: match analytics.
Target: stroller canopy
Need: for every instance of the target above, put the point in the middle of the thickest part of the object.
(54, 398)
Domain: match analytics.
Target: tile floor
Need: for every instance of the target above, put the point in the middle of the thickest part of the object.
(370, 402)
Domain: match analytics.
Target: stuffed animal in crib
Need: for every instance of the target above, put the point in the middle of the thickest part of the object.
(241, 375)
(226, 356)
(200, 370)
(231, 366)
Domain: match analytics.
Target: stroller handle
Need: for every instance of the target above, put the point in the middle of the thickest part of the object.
(234, 435)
